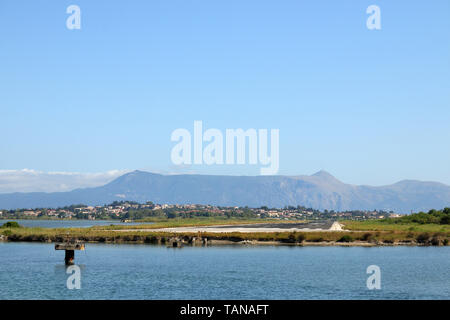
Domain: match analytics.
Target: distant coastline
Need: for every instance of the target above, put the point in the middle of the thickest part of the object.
(192, 226)
(348, 238)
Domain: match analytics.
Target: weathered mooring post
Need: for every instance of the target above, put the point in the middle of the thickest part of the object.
(69, 248)
(175, 243)
(70, 256)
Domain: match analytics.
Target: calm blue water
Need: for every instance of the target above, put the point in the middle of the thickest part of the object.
(67, 223)
(36, 271)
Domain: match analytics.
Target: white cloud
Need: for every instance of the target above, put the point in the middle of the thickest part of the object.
(28, 180)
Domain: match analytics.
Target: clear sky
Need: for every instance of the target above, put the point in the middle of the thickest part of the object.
(368, 106)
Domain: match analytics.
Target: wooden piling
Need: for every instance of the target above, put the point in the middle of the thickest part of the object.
(69, 248)
(70, 257)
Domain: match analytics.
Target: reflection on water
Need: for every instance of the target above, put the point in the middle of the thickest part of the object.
(37, 271)
(62, 268)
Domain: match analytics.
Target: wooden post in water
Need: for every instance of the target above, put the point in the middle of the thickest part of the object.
(175, 243)
(69, 248)
(70, 257)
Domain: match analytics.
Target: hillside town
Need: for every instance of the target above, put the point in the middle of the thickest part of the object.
(132, 211)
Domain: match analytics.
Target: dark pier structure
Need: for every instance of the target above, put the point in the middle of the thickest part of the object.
(69, 248)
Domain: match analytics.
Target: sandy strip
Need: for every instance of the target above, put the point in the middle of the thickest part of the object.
(335, 226)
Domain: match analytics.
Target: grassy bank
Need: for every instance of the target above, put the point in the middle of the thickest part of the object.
(362, 233)
(389, 225)
(158, 223)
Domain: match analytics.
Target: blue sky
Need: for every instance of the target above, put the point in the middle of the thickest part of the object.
(369, 106)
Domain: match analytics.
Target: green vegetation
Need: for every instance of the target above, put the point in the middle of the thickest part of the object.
(418, 229)
(432, 217)
(11, 224)
(295, 237)
(96, 234)
(431, 222)
(131, 210)
(346, 238)
(390, 225)
(423, 238)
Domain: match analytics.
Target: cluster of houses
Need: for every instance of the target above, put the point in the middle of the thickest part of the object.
(119, 210)
(316, 214)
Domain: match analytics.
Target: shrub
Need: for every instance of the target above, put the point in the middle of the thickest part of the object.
(423, 238)
(291, 237)
(294, 237)
(367, 237)
(346, 238)
(445, 219)
(301, 238)
(11, 224)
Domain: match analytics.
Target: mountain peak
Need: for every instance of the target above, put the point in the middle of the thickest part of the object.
(323, 174)
(140, 173)
(320, 190)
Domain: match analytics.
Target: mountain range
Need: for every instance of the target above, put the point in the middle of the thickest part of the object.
(319, 191)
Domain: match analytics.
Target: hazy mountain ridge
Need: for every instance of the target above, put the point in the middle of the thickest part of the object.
(320, 191)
